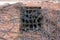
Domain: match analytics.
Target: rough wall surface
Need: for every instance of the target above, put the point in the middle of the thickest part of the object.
(10, 22)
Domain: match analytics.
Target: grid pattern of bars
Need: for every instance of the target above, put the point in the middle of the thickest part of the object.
(31, 19)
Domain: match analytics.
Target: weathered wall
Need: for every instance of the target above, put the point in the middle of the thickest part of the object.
(9, 22)
(10, 14)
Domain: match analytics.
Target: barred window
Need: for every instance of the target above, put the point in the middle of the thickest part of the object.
(30, 18)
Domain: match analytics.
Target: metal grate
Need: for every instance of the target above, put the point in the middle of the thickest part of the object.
(30, 18)
(30, 22)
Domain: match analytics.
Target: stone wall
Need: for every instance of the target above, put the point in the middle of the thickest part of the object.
(10, 21)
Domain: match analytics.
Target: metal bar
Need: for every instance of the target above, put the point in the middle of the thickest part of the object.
(31, 35)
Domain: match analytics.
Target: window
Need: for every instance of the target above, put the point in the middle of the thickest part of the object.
(30, 18)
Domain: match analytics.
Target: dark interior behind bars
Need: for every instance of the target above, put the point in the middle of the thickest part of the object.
(30, 18)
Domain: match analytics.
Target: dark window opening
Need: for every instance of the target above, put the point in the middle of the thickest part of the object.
(29, 15)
